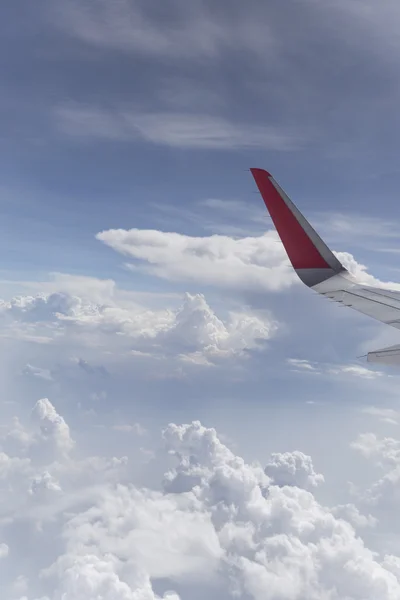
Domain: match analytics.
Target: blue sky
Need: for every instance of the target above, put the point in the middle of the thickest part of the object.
(143, 287)
(309, 97)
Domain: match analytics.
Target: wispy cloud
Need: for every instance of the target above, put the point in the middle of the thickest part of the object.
(184, 31)
(386, 415)
(299, 365)
(357, 227)
(315, 368)
(237, 208)
(233, 218)
(175, 129)
(355, 371)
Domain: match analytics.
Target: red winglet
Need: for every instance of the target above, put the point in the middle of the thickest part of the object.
(302, 251)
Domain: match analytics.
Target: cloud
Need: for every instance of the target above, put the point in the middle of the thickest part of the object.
(301, 365)
(256, 532)
(176, 130)
(32, 371)
(353, 227)
(135, 428)
(385, 451)
(360, 271)
(52, 425)
(44, 483)
(208, 33)
(293, 468)
(381, 498)
(350, 513)
(257, 263)
(356, 371)
(92, 340)
(386, 415)
(129, 26)
(197, 327)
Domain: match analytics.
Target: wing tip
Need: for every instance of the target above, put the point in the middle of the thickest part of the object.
(260, 172)
(306, 250)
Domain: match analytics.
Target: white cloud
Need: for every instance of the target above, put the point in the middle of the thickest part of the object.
(355, 371)
(32, 371)
(360, 271)
(177, 130)
(4, 550)
(299, 365)
(293, 468)
(135, 428)
(251, 263)
(386, 415)
(382, 497)
(385, 451)
(254, 263)
(351, 513)
(197, 327)
(43, 483)
(255, 533)
(191, 333)
(52, 425)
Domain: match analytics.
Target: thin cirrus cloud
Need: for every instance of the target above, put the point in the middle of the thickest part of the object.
(185, 32)
(299, 365)
(173, 129)
(128, 25)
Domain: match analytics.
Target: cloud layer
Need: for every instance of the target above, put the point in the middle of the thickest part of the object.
(123, 332)
(256, 532)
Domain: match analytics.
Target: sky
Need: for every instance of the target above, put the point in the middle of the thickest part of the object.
(180, 417)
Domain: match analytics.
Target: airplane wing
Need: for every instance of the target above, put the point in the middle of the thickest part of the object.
(319, 268)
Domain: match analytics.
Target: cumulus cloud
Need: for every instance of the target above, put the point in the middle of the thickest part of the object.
(43, 483)
(384, 451)
(352, 514)
(192, 333)
(47, 430)
(381, 498)
(254, 263)
(257, 263)
(293, 468)
(360, 271)
(197, 327)
(255, 531)
(52, 425)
